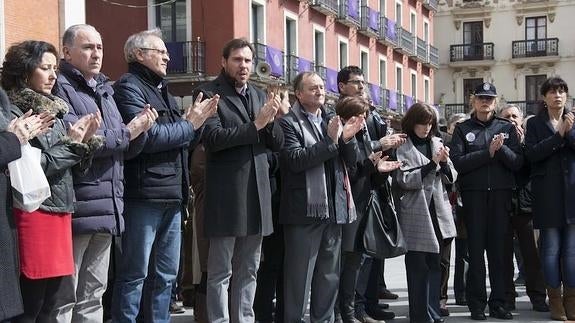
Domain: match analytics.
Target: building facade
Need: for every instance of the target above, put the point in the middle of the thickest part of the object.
(516, 44)
(391, 40)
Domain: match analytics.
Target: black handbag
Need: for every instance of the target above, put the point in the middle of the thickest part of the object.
(382, 236)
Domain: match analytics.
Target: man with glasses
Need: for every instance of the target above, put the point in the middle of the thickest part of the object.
(486, 152)
(156, 181)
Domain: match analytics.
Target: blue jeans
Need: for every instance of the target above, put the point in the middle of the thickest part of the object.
(558, 255)
(148, 225)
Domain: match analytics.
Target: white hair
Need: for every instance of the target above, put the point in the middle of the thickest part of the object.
(139, 40)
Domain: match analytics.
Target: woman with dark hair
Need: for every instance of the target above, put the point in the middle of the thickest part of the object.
(363, 184)
(550, 147)
(486, 152)
(45, 235)
(424, 213)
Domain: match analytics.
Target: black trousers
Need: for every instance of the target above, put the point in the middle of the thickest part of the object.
(445, 256)
(270, 279)
(521, 226)
(39, 297)
(487, 218)
(423, 282)
(461, 268)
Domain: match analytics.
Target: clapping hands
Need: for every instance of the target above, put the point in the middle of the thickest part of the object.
(200, 111)
(268, 112)
(29, 126)
(85, 128)
(142, 122)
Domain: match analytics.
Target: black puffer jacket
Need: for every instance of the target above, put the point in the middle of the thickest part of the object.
(470, 155)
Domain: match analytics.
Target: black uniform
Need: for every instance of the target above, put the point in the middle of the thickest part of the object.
(486, 188)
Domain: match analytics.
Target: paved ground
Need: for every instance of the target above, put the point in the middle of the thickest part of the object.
(396, 281)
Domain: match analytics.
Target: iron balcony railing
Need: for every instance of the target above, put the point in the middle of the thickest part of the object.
(327, 7)
(321, 71)
(471, 52)
(433, 56)
(273, 56)
(528, 107)
(406, 41)
(431, 4)
(187, 57)
(387, 31)
(535, 48)
(454, 108)
(369, 21)
(422, 50)
(349, 13)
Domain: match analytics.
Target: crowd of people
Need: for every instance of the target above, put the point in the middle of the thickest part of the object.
(250, 206)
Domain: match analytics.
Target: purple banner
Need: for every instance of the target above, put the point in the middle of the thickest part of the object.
(408, 101)
(304, 65)
(392, 100)
(353, 8)
(274, 57)
(373, 19)
(176, 50)
(331, 80)
(375, 93)
(390, 32)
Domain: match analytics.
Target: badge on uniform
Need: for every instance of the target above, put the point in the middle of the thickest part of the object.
(470, 136)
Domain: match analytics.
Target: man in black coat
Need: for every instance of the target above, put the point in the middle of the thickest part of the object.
(316, 199)
(238, 196)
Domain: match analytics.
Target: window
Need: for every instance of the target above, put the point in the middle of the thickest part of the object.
(290, 34)
(473, 36)
(413, 23)
(364, 62)
(257, 26)
(343, 53)
(171, 19)
(382, 7)
(535, 28)
(426, 90)
(469, 86)
(399, 78)
(414, 85)
(318, 47)
(382, 72)
(532, 86)
(398, 12)
(426, 31)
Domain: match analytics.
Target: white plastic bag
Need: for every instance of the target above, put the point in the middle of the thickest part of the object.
(30, 185)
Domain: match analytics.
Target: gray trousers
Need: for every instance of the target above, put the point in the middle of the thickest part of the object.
(235, 258)
(80, 295)
(312, 264)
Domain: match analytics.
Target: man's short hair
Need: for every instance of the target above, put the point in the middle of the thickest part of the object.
(509, 106)
(298, 80)
(234, 44)
(137, 41)
(70, 33)
(344, 74)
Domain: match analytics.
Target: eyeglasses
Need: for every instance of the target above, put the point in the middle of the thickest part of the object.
(356, 82)
(159, 51)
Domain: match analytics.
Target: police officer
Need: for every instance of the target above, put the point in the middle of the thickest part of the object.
(486, 153)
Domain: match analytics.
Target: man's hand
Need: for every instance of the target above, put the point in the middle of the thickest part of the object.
(351, 127)
(268, 111)
(384, 166)
(84, 128)
(198, 112)
(334, 129)
(142, 122)
(392, 141)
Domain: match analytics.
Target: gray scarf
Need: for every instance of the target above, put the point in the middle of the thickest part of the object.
(315, 181)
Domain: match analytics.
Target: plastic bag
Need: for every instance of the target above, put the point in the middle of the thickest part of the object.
(30, 185)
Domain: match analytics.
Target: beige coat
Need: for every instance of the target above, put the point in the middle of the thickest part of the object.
(416, 193)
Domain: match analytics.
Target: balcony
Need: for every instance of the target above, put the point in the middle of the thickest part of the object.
(471, 55)
(387, 31)
(187, 57)
(432, 5)
(349, 13)
(295, 65)
(327, 7)
(273, 56)
(375, 94)
(406, 41)
(433, 61)
(453, 108)
(369, 25)
(422, 50)
(535, 51)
